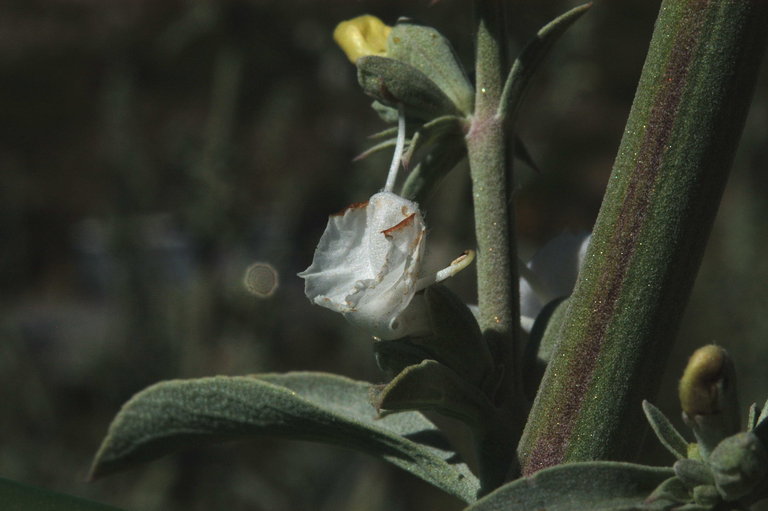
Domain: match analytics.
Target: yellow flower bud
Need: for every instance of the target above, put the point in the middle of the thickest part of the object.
(362, 36)
(708, 397)
(702, 383)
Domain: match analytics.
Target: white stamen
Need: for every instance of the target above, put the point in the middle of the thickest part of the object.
(399, 146)
(452, 269)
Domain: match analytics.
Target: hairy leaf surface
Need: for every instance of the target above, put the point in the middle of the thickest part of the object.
(179, 414)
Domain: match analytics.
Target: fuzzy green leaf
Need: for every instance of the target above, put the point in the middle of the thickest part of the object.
(669, 495)
(598, 486)
(433, 167)
(428, 51)
(707, 495)
(752, 417)
(693, 507)
(434, 135)
(739, 465)
(693, 473)
(432, 386)
(526, 65)
(457, 340)
(381, 146)
(665, 431)
(393, 82)
(174, 415)
(16, 496)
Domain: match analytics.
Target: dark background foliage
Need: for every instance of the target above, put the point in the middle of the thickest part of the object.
(150, 151)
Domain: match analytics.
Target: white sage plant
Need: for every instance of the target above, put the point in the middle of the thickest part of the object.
(544, 410)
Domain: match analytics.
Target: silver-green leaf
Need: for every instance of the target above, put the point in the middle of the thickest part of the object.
(665, 431)
(393, 82)
(428, 51)
(530, 58)
(179, 414)
(596, 485)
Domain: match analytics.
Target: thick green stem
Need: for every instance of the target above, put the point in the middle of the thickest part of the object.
(651, 231)
(488, 151)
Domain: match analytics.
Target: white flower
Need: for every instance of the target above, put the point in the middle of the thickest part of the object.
(550, 274)
(367, 264)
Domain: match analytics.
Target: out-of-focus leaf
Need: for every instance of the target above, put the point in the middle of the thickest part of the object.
(665, 431)
(523, 154)
(707, 495)
(740, 466)
(693, 507)
(763, 414)
(386, 114)
(541, 343)
(387, 144)
(752, 417)
(671, 492)
(15, 496)
(596, 485)
(179, 414)
(693, 473)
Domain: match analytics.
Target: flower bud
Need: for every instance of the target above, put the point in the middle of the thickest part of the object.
(708, 397)
(703, 380)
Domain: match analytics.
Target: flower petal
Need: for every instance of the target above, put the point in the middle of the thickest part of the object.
(367, 263)
(362, 36)
(552, 272)
(340, 260)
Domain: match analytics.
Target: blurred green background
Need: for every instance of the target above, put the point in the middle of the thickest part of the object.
(151, 151)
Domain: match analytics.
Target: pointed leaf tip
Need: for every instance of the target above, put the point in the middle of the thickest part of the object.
(665, 431)
(527, 63)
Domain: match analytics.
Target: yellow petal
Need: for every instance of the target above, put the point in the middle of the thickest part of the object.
(362, 36)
